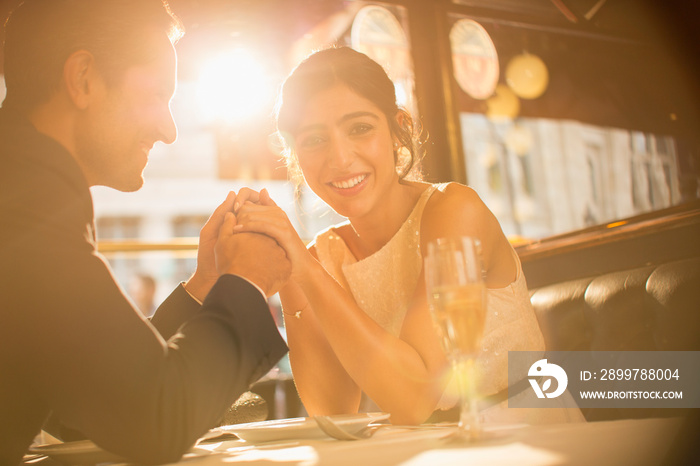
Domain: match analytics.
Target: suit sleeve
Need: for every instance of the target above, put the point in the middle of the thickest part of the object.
(174, 311)
(227, 296)
(104, 369)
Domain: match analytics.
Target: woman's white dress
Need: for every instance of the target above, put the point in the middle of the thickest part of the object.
(384, 283)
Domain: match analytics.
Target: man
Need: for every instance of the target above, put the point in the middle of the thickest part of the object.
(88, 90)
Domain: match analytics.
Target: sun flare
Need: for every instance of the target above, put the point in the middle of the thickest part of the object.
(232, 86)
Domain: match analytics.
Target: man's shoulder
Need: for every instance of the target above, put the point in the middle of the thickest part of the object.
(28, 176)
(25, 151)
(41, 188)
(36, 167)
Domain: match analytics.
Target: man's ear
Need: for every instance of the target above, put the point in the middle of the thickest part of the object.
(79, 74)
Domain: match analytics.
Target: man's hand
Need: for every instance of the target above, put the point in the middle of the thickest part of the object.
(253, 256)
(206, 274)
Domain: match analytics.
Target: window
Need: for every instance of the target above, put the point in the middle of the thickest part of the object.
(556, 146)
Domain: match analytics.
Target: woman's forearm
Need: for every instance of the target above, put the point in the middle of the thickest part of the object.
(323, 384)
(391, 371)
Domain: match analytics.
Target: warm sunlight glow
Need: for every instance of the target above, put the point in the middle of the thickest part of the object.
(232, 86)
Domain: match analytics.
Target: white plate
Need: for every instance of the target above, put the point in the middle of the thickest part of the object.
(79, 452)
(299, 427)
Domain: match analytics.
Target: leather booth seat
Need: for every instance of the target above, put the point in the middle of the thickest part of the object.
(651, 308)
(641, 309)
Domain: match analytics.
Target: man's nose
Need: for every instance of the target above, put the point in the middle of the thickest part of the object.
(166, 127)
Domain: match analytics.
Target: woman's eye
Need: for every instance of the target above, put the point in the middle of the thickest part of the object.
(361, 128)
(311, 142)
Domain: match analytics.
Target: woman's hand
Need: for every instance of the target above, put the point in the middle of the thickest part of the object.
(247, 195)
(266, 218)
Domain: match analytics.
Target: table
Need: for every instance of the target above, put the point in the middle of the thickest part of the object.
(624, 442)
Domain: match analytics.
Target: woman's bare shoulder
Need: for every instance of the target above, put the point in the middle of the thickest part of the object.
(457, 210)
(453, 207)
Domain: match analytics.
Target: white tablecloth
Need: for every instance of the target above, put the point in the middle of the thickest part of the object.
(626, 442)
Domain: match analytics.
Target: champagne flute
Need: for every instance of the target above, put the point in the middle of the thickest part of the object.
(457, 301)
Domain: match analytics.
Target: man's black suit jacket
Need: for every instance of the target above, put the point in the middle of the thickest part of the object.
(70, 342)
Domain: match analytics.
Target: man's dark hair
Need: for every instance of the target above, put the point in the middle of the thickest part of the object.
(41, 34)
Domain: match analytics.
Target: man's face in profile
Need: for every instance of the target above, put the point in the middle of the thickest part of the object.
(125, 119)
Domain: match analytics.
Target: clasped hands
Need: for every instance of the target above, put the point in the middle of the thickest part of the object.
(228, 244)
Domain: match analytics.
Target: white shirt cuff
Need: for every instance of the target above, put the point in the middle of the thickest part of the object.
(249, 281)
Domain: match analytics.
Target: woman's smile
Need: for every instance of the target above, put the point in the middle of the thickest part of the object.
(350, 186)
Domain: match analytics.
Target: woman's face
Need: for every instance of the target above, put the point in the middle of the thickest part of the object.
(345, 151)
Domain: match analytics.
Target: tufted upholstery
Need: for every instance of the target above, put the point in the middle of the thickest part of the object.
(642, 309)
(651, 308)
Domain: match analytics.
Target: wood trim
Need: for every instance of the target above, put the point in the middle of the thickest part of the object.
(681, 216)
(133, 245)
(652, 239)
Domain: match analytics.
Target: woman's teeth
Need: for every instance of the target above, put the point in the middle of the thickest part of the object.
(348, 183)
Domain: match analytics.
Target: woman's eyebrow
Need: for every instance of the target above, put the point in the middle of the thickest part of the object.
(313, 127)
(344, 118)
(350, 116)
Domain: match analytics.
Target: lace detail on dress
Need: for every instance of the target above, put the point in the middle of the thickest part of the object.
(383, 283)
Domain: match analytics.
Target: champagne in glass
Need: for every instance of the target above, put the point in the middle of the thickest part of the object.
(459, 316)
(456, 296)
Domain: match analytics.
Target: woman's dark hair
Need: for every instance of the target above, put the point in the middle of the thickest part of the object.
(343, 65)
(41, 34)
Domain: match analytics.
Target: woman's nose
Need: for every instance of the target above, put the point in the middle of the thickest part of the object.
(341, 155)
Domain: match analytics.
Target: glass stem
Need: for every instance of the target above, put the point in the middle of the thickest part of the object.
(469, 413)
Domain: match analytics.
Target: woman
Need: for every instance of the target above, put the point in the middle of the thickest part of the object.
(355, 308)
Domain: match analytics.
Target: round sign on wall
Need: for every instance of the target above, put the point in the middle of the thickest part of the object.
(474, 59)
(377, 33)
